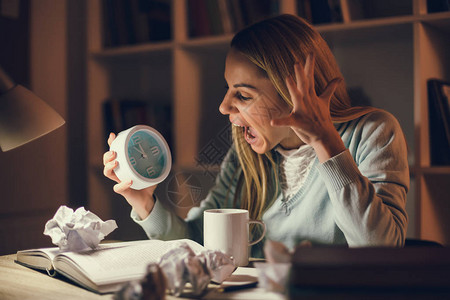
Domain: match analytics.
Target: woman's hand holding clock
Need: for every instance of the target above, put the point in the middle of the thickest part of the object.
(141, 200)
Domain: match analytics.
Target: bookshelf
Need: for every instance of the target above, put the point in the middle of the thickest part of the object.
(386, 57)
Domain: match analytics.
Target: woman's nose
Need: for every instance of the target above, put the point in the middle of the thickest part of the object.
(227, 107)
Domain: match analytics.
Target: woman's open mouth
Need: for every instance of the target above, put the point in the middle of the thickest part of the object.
(250, 134)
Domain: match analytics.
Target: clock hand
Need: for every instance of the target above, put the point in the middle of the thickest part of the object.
(141, 151)
(144, 155)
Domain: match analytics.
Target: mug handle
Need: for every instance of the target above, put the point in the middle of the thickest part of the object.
(262, 235)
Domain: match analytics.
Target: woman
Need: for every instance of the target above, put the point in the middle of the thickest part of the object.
(303, 160)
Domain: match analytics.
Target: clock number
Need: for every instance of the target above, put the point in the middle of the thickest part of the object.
(136, 139)
(133, 161)
(155, 150)
(150, 171)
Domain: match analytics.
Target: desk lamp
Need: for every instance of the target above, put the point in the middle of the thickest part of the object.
(23, 115)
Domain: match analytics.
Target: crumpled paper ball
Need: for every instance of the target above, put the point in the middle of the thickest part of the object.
(178, 266)
(181, 265)
(76, 231)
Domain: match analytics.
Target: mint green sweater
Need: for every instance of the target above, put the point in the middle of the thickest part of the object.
(356, 198)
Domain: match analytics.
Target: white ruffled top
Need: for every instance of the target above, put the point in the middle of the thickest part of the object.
(294, 168)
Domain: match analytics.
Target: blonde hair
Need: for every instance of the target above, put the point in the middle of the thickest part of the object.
(274, 45)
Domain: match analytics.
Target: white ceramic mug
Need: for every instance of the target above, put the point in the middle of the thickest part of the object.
(227, 230)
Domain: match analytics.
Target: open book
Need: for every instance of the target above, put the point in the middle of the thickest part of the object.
(106, 268)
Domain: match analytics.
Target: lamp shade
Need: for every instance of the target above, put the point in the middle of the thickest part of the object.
(23, 115)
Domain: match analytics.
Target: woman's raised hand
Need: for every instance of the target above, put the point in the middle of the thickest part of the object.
(310, 117)
(141, 200)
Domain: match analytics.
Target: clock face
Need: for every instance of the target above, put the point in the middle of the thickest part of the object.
(146, 155)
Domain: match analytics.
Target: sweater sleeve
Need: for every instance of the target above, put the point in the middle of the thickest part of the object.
(161, 224)
(165, 225)
(368, 183)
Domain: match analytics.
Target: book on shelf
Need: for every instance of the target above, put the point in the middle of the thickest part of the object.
(257, 10)
(214, 16)
(237, 20)
(199, 24)
(117, 24)
(304, 10)
(439, 121)
(159, 19)
(354, 10)
(217, 17)
(128, 22)
(105, 269)
(139, 19)
(321, 11)
(434, 6)
(109, 34)
(225, 16)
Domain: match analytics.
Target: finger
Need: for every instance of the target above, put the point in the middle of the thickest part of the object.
(301, 79)
(108, 156)
(330, 89)
(111, 138)
(295, 93)
(122, 187)
(108, 171)
(309, 71)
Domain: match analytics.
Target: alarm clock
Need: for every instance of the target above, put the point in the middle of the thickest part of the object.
(142, 155)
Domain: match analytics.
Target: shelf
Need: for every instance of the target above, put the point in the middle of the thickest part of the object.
(442, 20)
(133, 50)
(360, 24)
(444, 170)
(433, 170)
(212, 41)
(440, 16)
(439, 19)
(157, 48)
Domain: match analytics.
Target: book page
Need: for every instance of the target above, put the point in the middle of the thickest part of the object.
(38, 258)
(118, 262)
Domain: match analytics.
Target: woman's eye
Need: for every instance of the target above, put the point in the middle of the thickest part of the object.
(240, 97)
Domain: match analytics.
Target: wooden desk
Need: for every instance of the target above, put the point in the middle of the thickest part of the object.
(19, 282)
